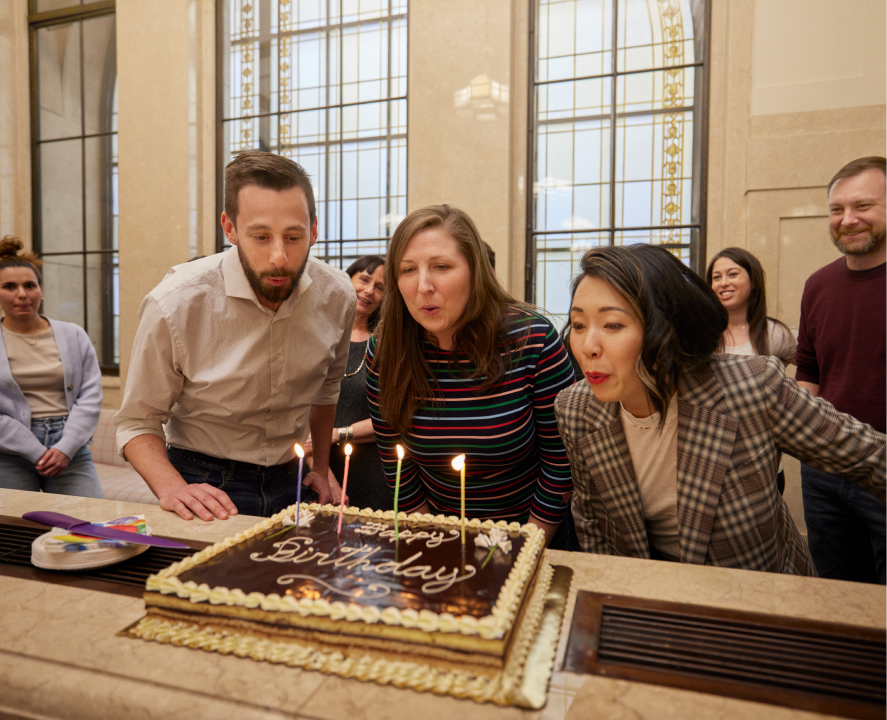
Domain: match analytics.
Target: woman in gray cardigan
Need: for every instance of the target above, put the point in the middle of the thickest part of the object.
(50, 388)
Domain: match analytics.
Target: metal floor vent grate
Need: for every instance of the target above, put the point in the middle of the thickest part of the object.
(127, 577)
(814, 666)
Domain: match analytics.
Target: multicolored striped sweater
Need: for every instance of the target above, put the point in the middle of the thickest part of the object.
(516, 465)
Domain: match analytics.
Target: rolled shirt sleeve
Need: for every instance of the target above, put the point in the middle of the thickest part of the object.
(215, 371)
(155, 378)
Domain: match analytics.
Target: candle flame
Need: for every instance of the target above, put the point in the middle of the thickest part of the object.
(299, 451)
(348, 449)
(400, 452)
(458, 462)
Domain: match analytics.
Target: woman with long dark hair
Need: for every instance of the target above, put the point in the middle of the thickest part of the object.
(737, 278)
(367, 486)
(461, 367)
(674, 449)
(50, 388)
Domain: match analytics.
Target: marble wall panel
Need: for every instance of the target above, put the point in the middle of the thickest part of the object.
(816, 55)
(466, 64)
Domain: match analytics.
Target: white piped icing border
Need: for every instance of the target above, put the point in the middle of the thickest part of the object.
(491, 627)
(503, 688)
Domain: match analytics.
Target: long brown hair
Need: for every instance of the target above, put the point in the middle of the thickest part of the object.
(683, 319)
(756, 314)
(405, 377)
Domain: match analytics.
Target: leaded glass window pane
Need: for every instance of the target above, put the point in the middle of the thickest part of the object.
(617, 148)
(325, 82)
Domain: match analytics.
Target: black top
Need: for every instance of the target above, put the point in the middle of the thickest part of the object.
(367, 486)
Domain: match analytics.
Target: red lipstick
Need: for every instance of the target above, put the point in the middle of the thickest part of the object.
(596, 378)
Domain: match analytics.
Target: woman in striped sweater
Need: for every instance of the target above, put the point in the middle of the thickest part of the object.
(459, 366)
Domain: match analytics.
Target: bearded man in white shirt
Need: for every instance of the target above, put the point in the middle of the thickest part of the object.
(238, 355)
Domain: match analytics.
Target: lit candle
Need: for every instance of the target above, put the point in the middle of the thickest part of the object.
(344, 485)
(397, 488)
(301, 454)
(459, 464)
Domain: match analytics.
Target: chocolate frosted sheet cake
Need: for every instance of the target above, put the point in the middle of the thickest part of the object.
(423, 612)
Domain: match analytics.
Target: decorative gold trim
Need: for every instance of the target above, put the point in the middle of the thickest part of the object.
(247, 73)
(285, 71)
(672, 24)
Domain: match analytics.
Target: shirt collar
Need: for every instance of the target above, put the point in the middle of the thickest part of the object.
(237, 285)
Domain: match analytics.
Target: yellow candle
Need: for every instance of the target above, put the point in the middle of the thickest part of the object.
(459, 464)
(344, 485)
(397, 488)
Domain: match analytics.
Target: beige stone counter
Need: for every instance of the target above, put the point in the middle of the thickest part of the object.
(60, 656)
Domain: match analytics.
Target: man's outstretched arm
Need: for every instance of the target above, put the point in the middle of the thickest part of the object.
(152, 388)
(320, 420)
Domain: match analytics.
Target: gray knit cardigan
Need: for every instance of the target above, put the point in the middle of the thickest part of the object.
(83, 394)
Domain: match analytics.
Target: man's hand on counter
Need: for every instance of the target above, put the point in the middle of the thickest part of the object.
(147, 454)
(201, 499)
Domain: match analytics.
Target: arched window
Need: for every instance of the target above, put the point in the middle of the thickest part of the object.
(618, 142)
(325, 83)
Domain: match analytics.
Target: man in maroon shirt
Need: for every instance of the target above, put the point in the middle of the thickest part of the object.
(841, 357)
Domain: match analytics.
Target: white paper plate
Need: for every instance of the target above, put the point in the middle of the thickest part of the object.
(79, 560)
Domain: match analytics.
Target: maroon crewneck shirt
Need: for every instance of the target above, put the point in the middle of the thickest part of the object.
(842, 343)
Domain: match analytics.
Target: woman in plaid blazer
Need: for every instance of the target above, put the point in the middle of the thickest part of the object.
(644, 328)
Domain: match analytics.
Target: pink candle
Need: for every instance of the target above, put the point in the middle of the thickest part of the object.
(344, 485)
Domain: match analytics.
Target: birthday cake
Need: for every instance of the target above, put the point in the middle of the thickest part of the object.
(423, 611)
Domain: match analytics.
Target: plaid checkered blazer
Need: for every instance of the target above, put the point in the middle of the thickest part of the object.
(735, 415)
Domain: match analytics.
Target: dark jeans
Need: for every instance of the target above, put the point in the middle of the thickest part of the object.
(565, 537)
(79, 478)
(845, 527)
(254, 489)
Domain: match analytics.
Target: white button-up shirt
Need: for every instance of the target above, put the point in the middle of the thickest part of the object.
(215, 371)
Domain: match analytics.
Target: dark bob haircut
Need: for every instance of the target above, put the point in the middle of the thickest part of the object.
(682, 317)
(365, 263)
(368, 264)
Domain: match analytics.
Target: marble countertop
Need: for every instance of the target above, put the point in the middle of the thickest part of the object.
(60, 656)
